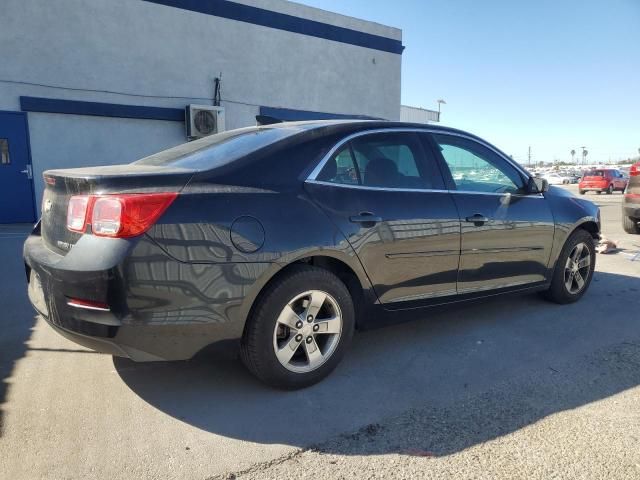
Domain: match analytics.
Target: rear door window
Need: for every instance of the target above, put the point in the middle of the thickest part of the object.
(395, 160)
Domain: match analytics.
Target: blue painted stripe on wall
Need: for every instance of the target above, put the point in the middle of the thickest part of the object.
(283, 21)
(291, 115)
(77, 107)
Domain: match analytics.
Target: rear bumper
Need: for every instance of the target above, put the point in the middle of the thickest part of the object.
(159, 308)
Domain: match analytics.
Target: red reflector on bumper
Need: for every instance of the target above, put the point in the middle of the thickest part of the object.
(88, 304)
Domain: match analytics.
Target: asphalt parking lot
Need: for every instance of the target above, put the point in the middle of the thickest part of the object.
(509, 388)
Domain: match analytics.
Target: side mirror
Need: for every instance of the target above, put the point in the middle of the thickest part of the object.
(538, 185)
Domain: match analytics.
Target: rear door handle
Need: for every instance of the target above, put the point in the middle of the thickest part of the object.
(366, 218)
(477, 219)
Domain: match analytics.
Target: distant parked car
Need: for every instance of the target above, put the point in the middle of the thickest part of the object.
(631, 201)
(557, 179)
(600, 180)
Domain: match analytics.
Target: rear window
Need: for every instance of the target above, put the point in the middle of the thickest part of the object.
(595, 173)
(220, 149)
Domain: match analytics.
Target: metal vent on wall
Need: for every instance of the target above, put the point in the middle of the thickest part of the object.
(203, 120)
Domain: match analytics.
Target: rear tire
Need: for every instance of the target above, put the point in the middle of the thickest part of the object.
(581, 192)
(630, 225)
(570, 280)
(609, 189)
(280, 321)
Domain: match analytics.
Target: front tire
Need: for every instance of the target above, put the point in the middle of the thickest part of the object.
(582, 192)
(630, 225)
(574, 269)
(300, 328)
(609, 189)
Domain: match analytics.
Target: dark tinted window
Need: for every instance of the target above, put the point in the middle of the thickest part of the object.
(340, 168)
(595, 173)
(220, 149)
(4, 152)
(476, 168)
(384, 160)
(389, 160)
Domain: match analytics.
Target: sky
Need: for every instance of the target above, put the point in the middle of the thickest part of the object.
(550, 75)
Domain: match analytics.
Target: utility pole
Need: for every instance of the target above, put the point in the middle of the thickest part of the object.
(440, 102)
(529, 156)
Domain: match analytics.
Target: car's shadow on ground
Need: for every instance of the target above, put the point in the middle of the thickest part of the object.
(15, 325)
(477, 371)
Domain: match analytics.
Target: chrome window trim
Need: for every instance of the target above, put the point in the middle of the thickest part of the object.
(524, 195)
(420, 190)
(384, 189)
(316, 171)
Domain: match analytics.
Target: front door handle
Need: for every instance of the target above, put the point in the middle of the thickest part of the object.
(367, 219)
(477, 219)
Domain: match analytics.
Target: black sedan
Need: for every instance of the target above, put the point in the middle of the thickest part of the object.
(287, 238)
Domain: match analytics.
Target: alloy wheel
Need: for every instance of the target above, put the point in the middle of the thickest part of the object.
(577, 268)
(307, 331)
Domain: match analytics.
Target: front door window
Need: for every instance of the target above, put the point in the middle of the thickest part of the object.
(475, 168)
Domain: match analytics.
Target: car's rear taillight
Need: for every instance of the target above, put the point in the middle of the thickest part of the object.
(128, 215)
(77, 213)
(634, 171)
(118, 216)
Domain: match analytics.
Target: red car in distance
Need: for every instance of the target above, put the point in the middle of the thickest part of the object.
(600, 180)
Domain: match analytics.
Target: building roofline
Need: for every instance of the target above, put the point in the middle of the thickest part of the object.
(282, 21)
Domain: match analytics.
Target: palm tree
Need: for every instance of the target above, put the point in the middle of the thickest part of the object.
(585, 152)
(573, 154)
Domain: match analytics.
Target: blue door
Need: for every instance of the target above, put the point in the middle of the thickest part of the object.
(16, 185)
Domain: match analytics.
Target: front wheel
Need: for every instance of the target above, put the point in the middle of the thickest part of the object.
(630, 225)
(609, 189)
(582, 192)
(300, 328)
(574, 269)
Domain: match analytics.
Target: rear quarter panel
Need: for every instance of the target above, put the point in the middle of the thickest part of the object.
(243, 226)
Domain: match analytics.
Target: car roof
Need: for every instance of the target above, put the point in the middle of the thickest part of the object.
(367, 124)
(355, 125)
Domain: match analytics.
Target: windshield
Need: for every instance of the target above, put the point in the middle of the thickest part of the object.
(220, 149)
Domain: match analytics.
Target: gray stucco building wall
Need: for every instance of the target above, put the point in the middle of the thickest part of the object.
(144, 53)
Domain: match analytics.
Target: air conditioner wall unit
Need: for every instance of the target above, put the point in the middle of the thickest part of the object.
(203, 120)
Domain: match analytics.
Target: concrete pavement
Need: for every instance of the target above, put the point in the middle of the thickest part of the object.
(513, 387)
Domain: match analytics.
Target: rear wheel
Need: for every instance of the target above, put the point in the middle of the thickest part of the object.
(630, 225)
(574, 269)
(610, 189)
(581, 192)
(300, 328)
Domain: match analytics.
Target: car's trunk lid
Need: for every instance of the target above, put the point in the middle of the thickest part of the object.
(61, 185)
